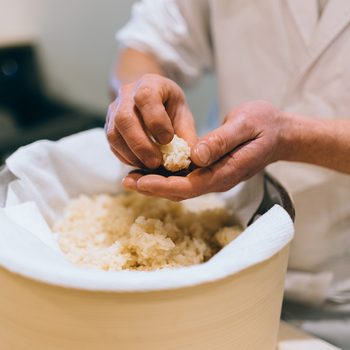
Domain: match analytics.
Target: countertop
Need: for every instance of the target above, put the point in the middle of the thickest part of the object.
(291, 338)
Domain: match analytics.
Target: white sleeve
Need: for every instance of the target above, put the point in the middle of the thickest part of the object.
(175, 32)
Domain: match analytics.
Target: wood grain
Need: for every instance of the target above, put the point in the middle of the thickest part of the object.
(238, 312)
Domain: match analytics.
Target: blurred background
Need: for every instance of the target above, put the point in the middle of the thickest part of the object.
(55, 61)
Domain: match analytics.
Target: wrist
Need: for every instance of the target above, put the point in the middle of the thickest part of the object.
(297, 137)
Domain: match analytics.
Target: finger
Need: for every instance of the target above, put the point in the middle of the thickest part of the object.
(173, 187)
(130, 183)
(200, 182)
(122, 150)
(111, 135)
(150, 95)
(180, 113)
(219, 142)
(159, 186)
(237, 166)
(128, 124)
(184, 124)
(164, 110)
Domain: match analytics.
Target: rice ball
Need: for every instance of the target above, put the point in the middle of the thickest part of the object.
(176, 154)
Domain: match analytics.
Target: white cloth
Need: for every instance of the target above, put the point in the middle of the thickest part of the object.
(281, 51)
(47, 174)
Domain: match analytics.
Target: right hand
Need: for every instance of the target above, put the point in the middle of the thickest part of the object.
(154, 106)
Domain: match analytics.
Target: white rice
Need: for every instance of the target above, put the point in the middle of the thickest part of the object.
(132, 231)
(176, 154)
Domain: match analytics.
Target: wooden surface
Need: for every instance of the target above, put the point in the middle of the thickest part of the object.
(290, 338)
(240, 312)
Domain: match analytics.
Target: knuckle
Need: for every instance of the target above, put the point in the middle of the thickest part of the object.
(110, 112)
(242, 120)
(154, 123)
(117, 139)
(110, 109)
(232, 161)
(219, 143)
(246, 122)
(114, 140)
(229, 116)
(141, 149)
(142, 95)
(123, 119)
(110, 134)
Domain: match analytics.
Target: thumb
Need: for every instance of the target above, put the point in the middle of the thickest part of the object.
(219, 142)
(184, 125)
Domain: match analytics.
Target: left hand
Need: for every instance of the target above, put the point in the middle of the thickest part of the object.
(250, 138)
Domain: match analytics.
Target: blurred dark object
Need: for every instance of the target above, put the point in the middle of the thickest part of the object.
(26, 112)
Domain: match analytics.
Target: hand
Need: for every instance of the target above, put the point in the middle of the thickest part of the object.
(249, 139)
(153, 106)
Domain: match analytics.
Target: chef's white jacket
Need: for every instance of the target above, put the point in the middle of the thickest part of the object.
(288, 53)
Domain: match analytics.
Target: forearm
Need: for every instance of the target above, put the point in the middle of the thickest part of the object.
(130, 66)
(320, 142)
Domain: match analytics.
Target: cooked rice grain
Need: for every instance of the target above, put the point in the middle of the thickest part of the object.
(176, 154)
(132, 231)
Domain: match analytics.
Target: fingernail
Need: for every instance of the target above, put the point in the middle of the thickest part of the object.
(203, 153)
(164, 137)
